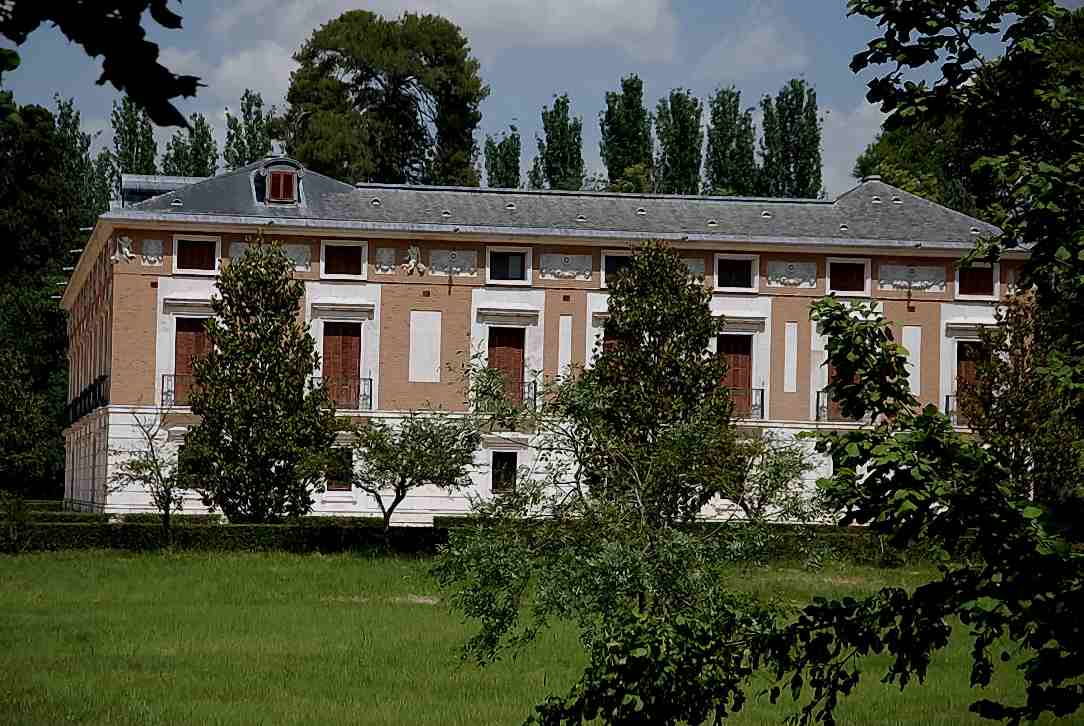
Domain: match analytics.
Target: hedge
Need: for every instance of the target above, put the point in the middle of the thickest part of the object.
(45, 505)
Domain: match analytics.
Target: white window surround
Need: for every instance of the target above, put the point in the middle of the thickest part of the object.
(865, 261)
(611, 253)
(178, 238)
(754, 272)
(528, 266)
(996, 272)
(363, 244)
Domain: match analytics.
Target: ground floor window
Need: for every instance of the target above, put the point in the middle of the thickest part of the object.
(503, 471)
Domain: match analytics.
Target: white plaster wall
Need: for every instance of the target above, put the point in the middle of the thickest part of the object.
(530, 303)
(740, 309)
(193, 290)
(598, 303)
(362, 295)
(86, 456)
(958, 313)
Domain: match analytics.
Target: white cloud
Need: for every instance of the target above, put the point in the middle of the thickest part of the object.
(763, 41)
(845, 135)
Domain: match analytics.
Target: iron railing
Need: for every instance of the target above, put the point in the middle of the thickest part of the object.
(94, 396)
(517, 391)
(830, 410)
(748, 402)
(348, 394)
(952, 410)
(177, 389)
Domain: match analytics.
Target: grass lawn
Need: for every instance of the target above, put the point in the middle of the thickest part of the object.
(110, 638)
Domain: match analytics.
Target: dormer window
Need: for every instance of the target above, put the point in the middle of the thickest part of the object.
(282, 187)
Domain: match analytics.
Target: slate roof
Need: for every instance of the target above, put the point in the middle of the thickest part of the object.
(871, 212)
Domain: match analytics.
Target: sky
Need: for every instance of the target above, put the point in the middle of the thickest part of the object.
(529, 51)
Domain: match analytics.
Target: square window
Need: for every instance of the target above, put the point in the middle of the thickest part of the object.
(345, 260)
(508, 266)
(503, 471)
(281, 187)
(339, 474)
(197, 254)
(613, 264)
(978, 281)
(735, 272)
(847, 276)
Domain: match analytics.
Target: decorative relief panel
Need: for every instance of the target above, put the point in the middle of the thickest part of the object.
(695, 265)
(384, 261)
(792, 274)
(902, 277)
(301, 256)
(151, 252)
(565, 267)
(458, 263)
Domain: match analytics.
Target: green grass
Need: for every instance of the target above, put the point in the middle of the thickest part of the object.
(108, 638)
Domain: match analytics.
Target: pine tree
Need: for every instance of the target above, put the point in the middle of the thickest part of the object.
(192, 152)
(248, 138)
(626, 145)
(681, 142)
(730, 167)
(790, 149)
(559, 164)
(502, 160)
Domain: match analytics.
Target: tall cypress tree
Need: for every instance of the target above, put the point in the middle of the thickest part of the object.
(559, 164)
(790, 149)
(730, 166)
(681, 143)
(626, 145)
(502, 160)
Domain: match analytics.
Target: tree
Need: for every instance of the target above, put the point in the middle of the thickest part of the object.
(192, 152)
(153, 467)
(502, 160)
(730, 167)
(248, 138)
(626, 146)
(113, 30)
(790, 148)
(559, 164)
(134, 147)
(259, 448)
(629, 453)
(433, 449)
(386, 101)
(681, 143)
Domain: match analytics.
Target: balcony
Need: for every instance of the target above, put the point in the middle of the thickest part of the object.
(831, 411)
(348, 394)
(952, 410)
(748, 403)
(514, 391)
(177, 389)
(92, 397)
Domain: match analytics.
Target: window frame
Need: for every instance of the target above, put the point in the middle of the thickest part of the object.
(867, 277)
(493, 470)
(287, 172)
(178, 238)
(339, 450)
(754, 271)
(995, 272)
(610, 253)
(528, 266)
(363, 244)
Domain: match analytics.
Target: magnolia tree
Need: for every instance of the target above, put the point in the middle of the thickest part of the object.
(265, 432)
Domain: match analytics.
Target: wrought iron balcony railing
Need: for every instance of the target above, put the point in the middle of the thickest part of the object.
(92, 397)
(516, 391)
(348, 394)
(952, 410)
(831, 411)
(177, 389)
(748, 403)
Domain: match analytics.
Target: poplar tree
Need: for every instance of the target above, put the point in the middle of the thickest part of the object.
(626, 146)
(730, 167)
(559, 164)
(248, 136)
(502, 160)
(681, 143)
(790, 149)
(193, 151)
(134, 147)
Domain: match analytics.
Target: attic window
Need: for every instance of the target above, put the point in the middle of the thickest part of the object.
(581, 218)
(446, 213)
(176, 203)
(974, 230)
(641, 211)
(844, 228)
(876, 199)
(282, 187)
(375, 201)
(713, 223)
(511, 206)
(896, 199)
(766, 214)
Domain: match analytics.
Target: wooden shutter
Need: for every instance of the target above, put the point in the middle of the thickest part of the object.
(191, 343)
(506, 355)
(969, 354)
(342, 259)
(287, 187)
(976, 281)
(835, 410)
(342, 363)
(848, 276)
(738, 350)
(195, 254)
(276, 187)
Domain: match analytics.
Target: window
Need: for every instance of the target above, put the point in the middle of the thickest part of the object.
(282, 187)
(503, 471)
(978, 281)
(343, 259)
(737, 272)
(339, 474)
(848, 276)
(342, 363)
(190, 343)
(509, 265)
(613, 263)
(196, 254)
(506, 355)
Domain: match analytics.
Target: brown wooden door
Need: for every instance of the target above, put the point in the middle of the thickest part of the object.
(342, 363)
(506, 355)
(968, 356)
(738, 350)
(835, 410)
(191, 343)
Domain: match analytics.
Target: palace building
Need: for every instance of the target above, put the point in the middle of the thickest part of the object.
(404, 282)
